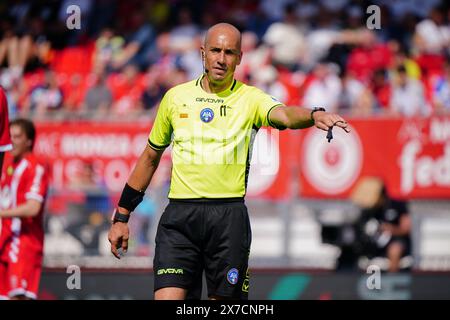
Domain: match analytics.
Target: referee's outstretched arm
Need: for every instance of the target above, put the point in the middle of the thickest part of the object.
(136, 185)
(299, 118)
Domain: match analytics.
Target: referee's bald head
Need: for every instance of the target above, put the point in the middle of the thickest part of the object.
(224, 30)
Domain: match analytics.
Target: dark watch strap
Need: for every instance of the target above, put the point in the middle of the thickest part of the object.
(119, 217)
(315, 110)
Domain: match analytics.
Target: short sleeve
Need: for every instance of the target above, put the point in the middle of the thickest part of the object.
(161, 133)
(264, 105)
(36, 187)
(5, 141)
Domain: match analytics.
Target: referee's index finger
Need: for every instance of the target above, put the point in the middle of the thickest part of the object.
(343, 125)
(114, 249)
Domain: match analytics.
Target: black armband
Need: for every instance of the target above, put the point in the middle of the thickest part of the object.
(130, 198)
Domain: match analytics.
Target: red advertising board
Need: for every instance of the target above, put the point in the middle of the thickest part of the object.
(111, 148)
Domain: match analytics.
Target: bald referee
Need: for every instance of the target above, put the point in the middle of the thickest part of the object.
(209, 122)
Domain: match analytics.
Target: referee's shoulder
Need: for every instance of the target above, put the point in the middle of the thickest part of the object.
(182, 87)
(249, 89)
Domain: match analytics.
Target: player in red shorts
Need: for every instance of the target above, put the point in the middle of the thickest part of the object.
(5, 141)
(23, 190)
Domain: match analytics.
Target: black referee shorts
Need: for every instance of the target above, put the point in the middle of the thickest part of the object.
(213, 235)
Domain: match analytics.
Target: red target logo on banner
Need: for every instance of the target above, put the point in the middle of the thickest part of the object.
(333, 167)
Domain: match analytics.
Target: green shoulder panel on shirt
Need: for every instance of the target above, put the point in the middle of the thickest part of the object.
(264, 103)
(161, 133)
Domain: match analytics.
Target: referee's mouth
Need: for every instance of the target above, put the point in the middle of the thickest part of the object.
(219, 70)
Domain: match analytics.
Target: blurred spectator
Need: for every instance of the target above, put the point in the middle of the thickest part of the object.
(320, 38)
(98, 99)
(45, 99)
(266, 79)
(178, 76)
(73, 93)
(185, 30)
(189, 59)
(24, 50)
(108, 49)
(13, 90)
(334, 5)
(126, 87)
(165, 58)
(151, 96)
(139, 45)
(107, 10)
(22, 215)
(402, 58)
(441, 92)
(432, 35)
(382, 90)
(168, 69)
(286, 40)
(385, 223)
(355, 98)
(254, 57)
(319, 43)
(163, 39)
(257, 22)
(368, 57)
(323, 79)
(159, 11)
(408, 96)
(184, 42)
(274, 9)
(307, 11)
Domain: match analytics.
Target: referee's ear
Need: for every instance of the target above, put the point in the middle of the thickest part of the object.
(239, 58)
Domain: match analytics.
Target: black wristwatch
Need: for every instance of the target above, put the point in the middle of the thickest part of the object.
(314, 110)
(119, 217)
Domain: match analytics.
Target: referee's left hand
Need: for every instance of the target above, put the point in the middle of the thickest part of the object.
(325, 120)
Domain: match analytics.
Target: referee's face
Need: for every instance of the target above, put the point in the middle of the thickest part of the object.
(222, 53)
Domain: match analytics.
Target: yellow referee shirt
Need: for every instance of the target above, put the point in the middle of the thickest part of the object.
(212, 134)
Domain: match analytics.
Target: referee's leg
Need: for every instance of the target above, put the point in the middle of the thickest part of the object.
(177, 260)
(170, 293)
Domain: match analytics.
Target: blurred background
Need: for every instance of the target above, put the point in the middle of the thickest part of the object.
(322, 213)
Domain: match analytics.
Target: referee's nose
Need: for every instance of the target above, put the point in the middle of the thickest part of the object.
(221, 58)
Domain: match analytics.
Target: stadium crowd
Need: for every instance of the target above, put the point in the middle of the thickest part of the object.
(304, 52)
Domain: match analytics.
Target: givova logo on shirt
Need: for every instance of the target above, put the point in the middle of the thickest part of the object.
(169, 271)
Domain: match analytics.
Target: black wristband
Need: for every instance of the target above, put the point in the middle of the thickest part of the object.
(130, 198)
(120, 217)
